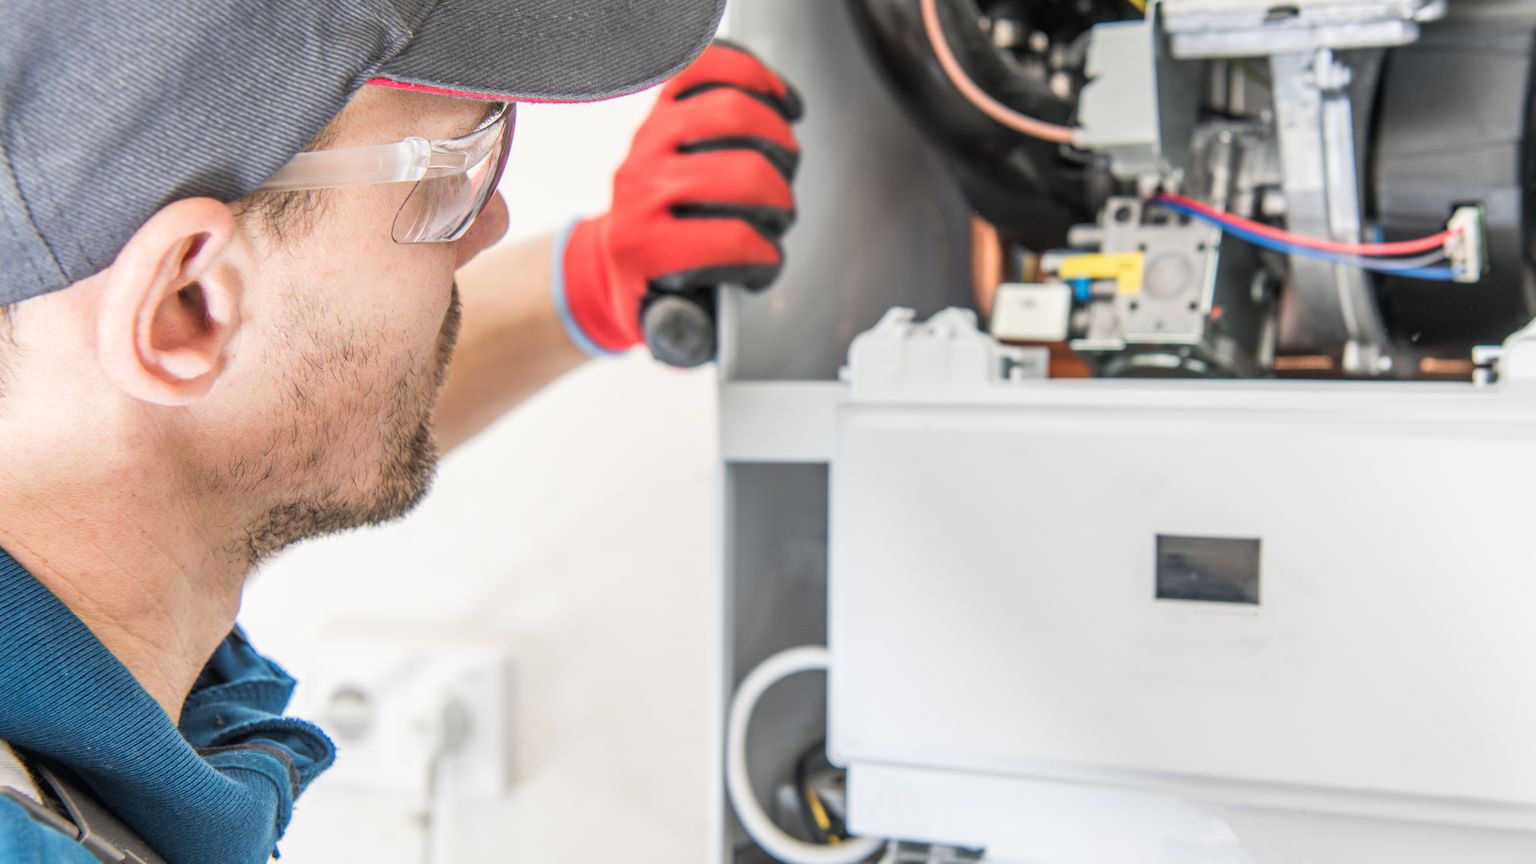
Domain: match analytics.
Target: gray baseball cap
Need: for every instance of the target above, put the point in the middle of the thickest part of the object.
(110, 109)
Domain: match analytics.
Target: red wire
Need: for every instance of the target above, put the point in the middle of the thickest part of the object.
(1405, 247)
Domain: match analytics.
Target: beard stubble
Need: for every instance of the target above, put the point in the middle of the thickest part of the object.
(404, 474)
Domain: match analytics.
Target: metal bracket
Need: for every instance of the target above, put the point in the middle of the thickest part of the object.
(1315, 122)
(1204, 29)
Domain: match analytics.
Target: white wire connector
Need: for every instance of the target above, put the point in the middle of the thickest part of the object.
(1468, 243)
(773, 839)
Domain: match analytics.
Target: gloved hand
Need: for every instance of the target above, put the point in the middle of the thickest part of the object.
(703, 198)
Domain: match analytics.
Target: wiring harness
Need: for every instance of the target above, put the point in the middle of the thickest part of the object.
(1376, 257)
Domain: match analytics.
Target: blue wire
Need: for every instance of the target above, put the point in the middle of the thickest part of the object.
(1432, 274)
(1429, 274)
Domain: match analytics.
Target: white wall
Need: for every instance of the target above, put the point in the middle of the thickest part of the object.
(578, 534)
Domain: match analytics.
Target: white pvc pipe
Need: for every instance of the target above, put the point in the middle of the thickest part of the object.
(738, 785)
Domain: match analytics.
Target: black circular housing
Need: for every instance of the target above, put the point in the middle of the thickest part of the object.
(1034, 190)
(1452, 125)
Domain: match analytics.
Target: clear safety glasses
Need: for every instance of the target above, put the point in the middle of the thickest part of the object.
(454, 178)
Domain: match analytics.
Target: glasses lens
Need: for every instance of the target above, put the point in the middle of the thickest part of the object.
(441, 208)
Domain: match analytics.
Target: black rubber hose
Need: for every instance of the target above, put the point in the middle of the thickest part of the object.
(1020, 184)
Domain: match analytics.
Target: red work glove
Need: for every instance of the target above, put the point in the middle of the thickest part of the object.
(703, 198)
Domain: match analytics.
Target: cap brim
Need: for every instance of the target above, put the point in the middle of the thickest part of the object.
(552, 50)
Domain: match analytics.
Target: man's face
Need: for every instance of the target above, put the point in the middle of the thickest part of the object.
(344, 343)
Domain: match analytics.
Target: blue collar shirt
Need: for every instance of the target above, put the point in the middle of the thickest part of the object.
(216, 787)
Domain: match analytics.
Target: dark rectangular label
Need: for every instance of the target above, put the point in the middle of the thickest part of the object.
(1208, 569)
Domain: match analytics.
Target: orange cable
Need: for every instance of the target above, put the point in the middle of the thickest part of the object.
(979, 97)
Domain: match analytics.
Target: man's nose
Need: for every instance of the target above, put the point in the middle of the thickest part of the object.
(489, 227)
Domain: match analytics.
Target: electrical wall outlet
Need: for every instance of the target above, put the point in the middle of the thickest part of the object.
(394, 706)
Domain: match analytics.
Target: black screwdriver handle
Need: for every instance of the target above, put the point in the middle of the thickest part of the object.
(680, 328)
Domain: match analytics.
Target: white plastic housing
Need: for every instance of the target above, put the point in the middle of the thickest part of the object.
(1004, 675)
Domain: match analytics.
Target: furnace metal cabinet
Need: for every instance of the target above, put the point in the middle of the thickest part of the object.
(1098, 622)
(879, 225)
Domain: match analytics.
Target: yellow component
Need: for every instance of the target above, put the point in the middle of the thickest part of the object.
(1126, 268)
(818, 812)
(1141, 5)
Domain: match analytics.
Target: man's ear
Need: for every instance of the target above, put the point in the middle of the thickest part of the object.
(171, 305)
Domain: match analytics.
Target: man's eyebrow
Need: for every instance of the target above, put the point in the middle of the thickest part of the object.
(491, 110)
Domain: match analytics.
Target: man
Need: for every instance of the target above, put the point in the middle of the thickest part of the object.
(217, 345)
